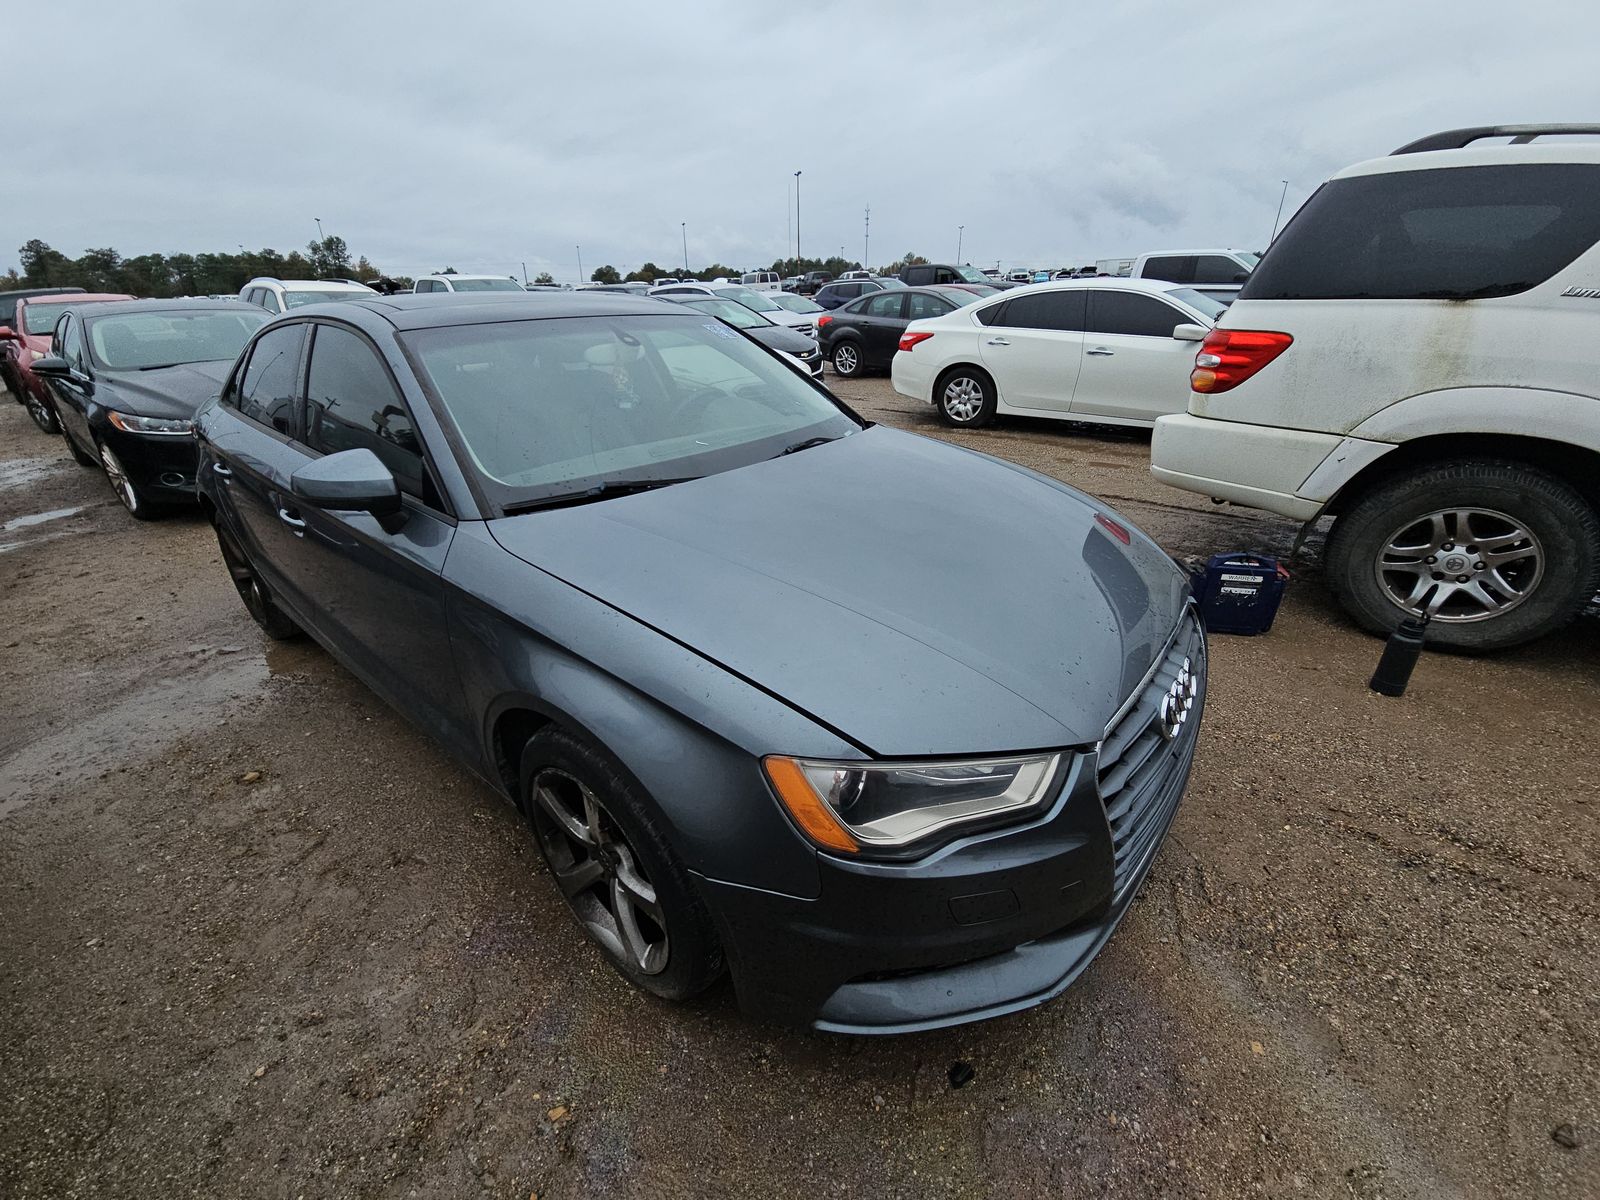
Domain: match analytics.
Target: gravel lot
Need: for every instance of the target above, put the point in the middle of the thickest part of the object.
(258, 937)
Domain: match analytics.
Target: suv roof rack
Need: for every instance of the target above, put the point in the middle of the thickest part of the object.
(1456, 139)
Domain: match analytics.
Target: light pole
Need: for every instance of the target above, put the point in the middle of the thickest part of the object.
(580, 264)
(961, 232)
(797, 220)
(684, 226)
(866, 240)
(1281, 197)
(320, 236)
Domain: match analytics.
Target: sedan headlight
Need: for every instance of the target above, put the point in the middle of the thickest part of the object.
(37, 355)
(854, 806)
(132, 423)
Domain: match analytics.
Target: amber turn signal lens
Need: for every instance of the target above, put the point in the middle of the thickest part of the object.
(806, 807)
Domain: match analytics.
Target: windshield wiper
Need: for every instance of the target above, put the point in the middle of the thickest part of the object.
(805, 445)
(601, 491)
(159, 366)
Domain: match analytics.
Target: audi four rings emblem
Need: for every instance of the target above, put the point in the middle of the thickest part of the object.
(1175, 705)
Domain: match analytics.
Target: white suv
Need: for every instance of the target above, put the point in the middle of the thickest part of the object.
(466, 283)
(1418, 356)
(280, 295)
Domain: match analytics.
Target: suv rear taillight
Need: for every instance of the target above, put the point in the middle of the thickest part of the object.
(1230, 356)
(908, 340)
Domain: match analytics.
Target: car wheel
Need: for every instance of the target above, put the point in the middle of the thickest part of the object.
(274, 622)
(126, 490)
(965, 397)
(847, 359)
(1501, 552)
(619, 877)
(43, 415)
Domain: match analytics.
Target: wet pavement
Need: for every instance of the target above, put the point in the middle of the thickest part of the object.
(259, 937)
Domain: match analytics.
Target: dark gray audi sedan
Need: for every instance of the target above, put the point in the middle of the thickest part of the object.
(887, 729)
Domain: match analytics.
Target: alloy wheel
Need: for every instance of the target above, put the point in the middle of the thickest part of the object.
(845, 359)
(43, 416)
(120, 483)
(1482, 563)
(598, 871)
(963, 398)
(243, 576)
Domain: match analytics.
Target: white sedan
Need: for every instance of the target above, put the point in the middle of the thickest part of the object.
(1110, 351)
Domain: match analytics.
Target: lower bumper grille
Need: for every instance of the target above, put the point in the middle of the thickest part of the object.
(1149, 741)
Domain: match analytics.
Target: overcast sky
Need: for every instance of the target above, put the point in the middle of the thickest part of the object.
(482, 136)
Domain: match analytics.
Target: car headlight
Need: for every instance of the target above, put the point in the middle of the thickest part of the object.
(132, 423)
(853, 807)
(37, 355)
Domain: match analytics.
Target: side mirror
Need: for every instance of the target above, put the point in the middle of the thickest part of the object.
(1190, 333)
(1241, 276)
(52, 366)
(349, 481)
(8, 334)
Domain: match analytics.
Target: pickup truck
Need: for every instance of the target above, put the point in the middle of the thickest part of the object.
(1218, 273)
(811, 281)
(927, 274)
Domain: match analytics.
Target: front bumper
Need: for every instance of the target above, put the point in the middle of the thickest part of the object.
(992, 924)
(161, 466)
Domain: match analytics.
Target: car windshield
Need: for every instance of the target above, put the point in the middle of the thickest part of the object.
(1199, 301)
(41, 318)
(141, 341)
(736, 315)
(972, 275)
(486, 285)
(799, 304)
(548, 409)
(1248, 257)
(757, 301)
(301, 299)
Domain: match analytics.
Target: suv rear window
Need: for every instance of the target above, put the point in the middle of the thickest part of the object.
(1452, 233)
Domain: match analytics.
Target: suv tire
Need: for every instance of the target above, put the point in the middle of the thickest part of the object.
(1559, 575)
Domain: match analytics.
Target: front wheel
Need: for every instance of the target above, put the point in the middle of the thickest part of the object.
(847, 359)
(619, 877)
(1499, 552)
(126, 490)
(965, 397)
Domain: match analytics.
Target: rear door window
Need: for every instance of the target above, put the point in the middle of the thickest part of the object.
(1133, 314)
(266, 389)
(1451, 233)
(890, 305)
(1046, 310)
(922, 306)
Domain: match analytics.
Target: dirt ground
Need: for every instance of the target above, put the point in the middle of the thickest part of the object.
(258, 937)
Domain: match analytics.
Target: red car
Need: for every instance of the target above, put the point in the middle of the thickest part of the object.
(29, 339)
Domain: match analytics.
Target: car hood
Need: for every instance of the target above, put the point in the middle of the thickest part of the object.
(176, 392)
(917, 598)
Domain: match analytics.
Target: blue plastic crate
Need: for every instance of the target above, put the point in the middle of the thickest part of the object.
(1239, 593)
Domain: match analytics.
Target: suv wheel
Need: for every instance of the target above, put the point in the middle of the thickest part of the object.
(621, 880)
(1501, 552)
(965, 397)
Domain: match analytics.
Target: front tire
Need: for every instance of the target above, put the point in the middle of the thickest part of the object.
(1513, 553)
(274, 622)
(123, 486)
(620, 878)
(965, 397)
(847, 359)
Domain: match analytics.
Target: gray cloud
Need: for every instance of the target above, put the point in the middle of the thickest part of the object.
(487, 135)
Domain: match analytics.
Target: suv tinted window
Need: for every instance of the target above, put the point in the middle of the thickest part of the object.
(266, 389)
(1131, 313)
(1214, 268)
(269, 301)
(1046, 310)
(1452, 233)
(352, 404)
(1174, 268)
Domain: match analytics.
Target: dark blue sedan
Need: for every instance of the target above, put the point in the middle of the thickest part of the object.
(888, 730)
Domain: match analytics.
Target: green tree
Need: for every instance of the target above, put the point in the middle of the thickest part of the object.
(330, 257)
(606, 274)
(44, 267)
(544, 277)
(363, 270)
(648, 273)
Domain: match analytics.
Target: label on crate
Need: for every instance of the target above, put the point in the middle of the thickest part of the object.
(1241, 578)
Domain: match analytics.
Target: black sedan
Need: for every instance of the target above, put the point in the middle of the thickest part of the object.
(865, 333)
(740, 657)
(771, 335)
(126, 380)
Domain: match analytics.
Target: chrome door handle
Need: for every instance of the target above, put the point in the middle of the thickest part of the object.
(1100, 352)
(294, 523)
(222, 470)
(997, 342)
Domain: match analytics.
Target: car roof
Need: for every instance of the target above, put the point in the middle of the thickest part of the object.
(459, 275)
(24, 293)
(1477, 156)
(308, 285)
(1118, 283)
(74, 297)
(407, 311)
(184, 305)
(1203, 250)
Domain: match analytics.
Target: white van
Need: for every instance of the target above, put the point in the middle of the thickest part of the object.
(1418, 357)
(762, 281)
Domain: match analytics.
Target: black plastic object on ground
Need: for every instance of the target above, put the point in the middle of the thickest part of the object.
(1239, 593)
(1402, 650)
